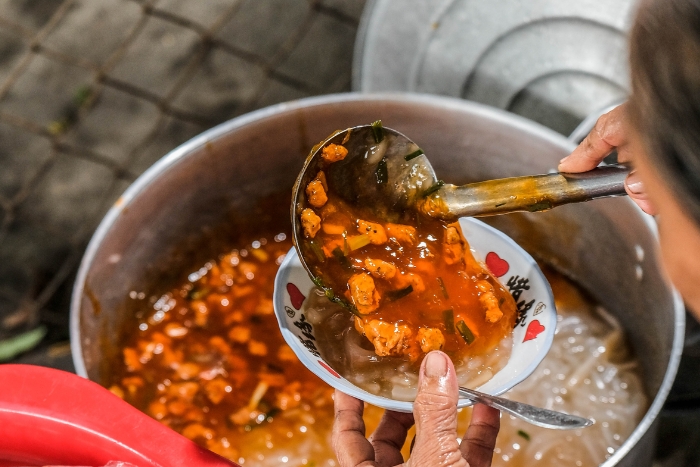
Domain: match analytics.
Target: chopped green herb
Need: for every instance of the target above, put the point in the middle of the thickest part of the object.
(442, 287)
(346, 247)
(318, 282)
(500, 204)
(414, 154)
(378, 131)
(382, 171)
(348, 306)
(465, 332)
(448, 317)
(318, 251)
(358, 241)
(82, 94)
(396, 294)
(433, 188)
(340, 256)
(10, 348)
(270, 415)
(541, 206)
(524, 434)
(197, 293)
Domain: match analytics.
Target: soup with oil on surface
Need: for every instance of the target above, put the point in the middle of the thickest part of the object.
(412, 284)
(207, 359)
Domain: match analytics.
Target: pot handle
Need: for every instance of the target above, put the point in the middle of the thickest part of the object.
(54, 417)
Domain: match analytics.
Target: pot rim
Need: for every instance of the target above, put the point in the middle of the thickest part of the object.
(176, 155)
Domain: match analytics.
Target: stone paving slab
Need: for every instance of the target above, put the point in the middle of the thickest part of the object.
(93, 92)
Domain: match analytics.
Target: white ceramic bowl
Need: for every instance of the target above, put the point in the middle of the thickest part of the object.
(514, 267)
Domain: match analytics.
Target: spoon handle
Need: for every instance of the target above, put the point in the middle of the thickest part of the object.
(531, 193)
(537, 416)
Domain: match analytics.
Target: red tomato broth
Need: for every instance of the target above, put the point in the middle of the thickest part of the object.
(440, 277)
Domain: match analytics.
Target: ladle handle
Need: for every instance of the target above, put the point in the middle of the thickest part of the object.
(537, 416)
(531, 193)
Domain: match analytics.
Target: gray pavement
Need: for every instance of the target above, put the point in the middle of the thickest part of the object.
(93, 92)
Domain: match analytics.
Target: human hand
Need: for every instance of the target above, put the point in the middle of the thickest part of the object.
(435, 416)
(610, 132)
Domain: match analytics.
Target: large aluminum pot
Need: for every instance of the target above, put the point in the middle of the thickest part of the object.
(167, 220)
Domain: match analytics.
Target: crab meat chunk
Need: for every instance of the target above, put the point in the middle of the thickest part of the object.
(316, 191)
(403, 280)
(404, 234)
(363, 293)
(488, 300)
(310, 222)
(453, 246)
(380, 269)
(375, 232)
(389, 339)
(334, 153)
(430, 339)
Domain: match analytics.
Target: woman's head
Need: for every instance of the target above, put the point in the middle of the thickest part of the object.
(664, 110)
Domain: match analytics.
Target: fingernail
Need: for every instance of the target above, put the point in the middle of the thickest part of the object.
(436, 365)
(634, 183)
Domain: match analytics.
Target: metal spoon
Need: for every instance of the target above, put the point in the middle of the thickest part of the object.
(386, 170)
(537, 416)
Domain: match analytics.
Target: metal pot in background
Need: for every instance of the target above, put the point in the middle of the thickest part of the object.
(607, 246)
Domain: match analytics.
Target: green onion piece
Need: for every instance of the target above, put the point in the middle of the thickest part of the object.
(524, 434)
(448, 316)
(358, 241)
(382, 173)
(396, 294)
(414, 154)
(442, 287)
(198, 294)
(10, 348)
(465, 332)
(346, 247)
(348, 306)
(271, 414)
(318, 282)
(338, 253)
(318, 251)
(433, 188)
(541, 206)
(378, 131)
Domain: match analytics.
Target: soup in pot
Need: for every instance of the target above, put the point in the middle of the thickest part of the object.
(207, 359)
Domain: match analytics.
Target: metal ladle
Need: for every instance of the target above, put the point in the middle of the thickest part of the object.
(386, 170)
(389, 172)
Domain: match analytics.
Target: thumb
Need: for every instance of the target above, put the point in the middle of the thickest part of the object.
(435, 413)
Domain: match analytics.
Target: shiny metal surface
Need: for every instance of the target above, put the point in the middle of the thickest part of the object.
(531, 193)
(608, 246)
(355, 179)
(552, 61)
(535, 415)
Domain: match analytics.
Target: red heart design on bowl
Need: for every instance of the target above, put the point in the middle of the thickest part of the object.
(295, 295)
(533, 330)
(497, 265)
